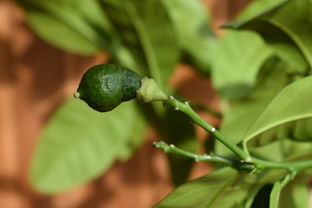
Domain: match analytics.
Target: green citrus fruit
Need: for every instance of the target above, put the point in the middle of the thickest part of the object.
(104, 87)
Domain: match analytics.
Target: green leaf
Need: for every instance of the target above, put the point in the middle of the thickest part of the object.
(222, 188)
(80, 144)
(146, 29)
(194, 34)
(75, 26)
(292, 103)
(287, 28)
(237, 58)
(238, 117)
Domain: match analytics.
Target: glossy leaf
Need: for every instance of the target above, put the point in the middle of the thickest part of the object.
(194, 34)
(286, 27)
(237, 58)
(291, 104)
(222, 188)
(69, 24)
(79, 144)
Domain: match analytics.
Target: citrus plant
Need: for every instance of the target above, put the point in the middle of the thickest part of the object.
(260, 68)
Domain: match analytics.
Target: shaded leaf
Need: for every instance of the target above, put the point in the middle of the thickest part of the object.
(79, 144)
(69, 24)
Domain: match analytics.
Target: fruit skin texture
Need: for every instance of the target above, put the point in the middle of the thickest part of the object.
(103, 87)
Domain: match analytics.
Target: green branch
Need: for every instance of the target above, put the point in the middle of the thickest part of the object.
(186, 108)
(256, 164)
(197, 157)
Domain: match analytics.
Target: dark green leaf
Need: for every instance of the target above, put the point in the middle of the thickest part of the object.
(79, 144)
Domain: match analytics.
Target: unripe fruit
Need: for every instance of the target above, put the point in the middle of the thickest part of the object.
(104, 87)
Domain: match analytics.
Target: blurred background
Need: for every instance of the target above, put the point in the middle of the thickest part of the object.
(35, 77)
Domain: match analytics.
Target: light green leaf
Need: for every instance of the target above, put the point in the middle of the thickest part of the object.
(287, 27)
(79, 144)
(237, 58)
(76, 26)
(222, 188)
(194, 34)
(292, 103)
